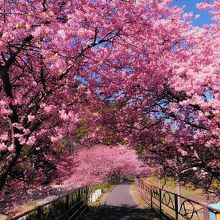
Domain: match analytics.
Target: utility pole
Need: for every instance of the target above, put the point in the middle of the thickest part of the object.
(177, 180)
(178, 190)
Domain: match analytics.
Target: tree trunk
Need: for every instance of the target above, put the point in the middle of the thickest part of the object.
(10, 161)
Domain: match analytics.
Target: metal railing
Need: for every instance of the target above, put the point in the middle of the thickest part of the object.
(68, 206)
(173, 206)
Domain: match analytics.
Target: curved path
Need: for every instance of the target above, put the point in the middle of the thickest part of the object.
(119, 205)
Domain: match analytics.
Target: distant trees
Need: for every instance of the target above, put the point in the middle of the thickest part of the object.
(100, 164)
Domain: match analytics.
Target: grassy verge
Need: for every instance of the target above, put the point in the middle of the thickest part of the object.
(149, 213)
(105, 189)
(3, 217)
(137, 198)
(94, 207)
(186, 191)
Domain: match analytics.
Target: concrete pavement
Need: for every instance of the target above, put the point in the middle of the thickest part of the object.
(119, 205)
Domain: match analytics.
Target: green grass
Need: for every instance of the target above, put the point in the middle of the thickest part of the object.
(187, 191)
(104, 187)
(170, 185)
(94, 207)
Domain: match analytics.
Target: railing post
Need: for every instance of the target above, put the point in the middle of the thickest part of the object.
(206, 212)
(151, 198)
(160, 194)
(39, 213)
(79, 194)
(67, 202)
(176, 206)
(87, 194)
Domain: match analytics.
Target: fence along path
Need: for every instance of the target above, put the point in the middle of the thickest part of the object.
(119, 205)
(66, 207)
(173, 206)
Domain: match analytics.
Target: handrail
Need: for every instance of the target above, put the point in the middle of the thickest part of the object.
(168, 191)
(213, 210)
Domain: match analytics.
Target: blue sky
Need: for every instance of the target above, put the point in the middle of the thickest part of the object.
(205, 18)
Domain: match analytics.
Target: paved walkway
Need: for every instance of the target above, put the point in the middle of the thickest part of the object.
(120, 205)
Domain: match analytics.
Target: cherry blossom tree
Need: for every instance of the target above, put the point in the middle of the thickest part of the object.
(58, 57)
(195, 97)
(171, 106)
(130, 72)
(100, 164)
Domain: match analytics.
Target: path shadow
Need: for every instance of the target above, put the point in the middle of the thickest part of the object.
(122, 212)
